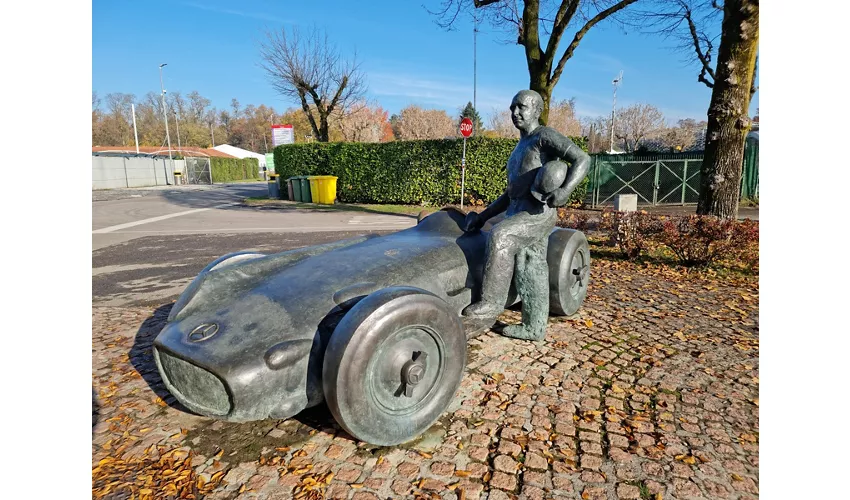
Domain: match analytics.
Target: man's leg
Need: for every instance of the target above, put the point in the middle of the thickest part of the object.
(532, 281)
(503, 243)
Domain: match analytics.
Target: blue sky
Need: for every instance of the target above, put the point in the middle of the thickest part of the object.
(212, 47)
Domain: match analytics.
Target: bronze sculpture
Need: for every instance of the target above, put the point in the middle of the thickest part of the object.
(372, 325)
(519, 242)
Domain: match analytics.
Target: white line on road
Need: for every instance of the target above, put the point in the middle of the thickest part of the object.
(157, 219)
(294, 229)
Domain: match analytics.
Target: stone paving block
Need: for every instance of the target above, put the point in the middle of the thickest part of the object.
(554, 404)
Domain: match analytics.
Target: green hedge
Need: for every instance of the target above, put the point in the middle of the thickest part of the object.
(234, 169)
(407, 172)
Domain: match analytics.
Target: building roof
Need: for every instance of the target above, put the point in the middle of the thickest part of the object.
(155, 151)
(239, 152)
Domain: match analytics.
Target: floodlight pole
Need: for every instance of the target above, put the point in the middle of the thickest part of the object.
(165, 116)
(135, 131)
(474, 71)
(615, 83)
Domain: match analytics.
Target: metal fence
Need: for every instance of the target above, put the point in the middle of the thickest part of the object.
(198, 170)
(659, 179)
(664, 179)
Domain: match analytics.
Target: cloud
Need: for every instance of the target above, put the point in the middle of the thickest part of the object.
(445, 93)
(252, 15)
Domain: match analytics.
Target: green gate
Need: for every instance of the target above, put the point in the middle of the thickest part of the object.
(750, 178)
(662, 179)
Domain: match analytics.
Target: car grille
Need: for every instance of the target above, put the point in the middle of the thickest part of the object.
(198, 389)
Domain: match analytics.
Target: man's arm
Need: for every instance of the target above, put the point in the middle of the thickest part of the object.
(476, 221)
(579, 160)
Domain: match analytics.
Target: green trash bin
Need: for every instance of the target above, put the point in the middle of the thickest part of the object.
(296, 188)
(305, 189)
(274, 189)
(281, 187)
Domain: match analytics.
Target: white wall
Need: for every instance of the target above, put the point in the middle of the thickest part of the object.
(109, 172)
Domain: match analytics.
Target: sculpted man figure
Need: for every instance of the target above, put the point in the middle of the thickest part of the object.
(531, 213)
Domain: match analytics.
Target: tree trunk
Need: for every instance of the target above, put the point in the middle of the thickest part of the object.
(324, 130)
(539, 82)
(728, 113)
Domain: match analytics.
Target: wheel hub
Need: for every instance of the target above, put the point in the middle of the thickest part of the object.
(405, 369)
(413, 372)
(579, 271)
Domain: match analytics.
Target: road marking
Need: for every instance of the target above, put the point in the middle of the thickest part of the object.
(157, 219)
(381, 220)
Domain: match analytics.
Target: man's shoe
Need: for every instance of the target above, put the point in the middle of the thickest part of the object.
(524, 332)
(482, 310)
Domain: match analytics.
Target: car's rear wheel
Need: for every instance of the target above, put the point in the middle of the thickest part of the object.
(569, 271)
(393, 365)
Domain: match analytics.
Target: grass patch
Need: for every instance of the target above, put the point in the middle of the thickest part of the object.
(238, 181)
(411, 210)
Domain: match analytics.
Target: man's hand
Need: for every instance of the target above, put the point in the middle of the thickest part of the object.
(473, 222)
(558, 198)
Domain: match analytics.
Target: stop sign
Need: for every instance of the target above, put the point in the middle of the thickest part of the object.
(466, 127)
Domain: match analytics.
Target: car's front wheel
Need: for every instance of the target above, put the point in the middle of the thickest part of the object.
(393, 365)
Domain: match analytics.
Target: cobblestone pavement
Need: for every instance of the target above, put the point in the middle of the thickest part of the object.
(650, 391)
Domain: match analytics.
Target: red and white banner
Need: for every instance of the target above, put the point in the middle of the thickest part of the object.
(282, 134)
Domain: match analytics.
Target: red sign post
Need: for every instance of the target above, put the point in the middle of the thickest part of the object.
(465, 131)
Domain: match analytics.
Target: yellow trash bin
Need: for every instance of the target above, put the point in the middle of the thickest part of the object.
(323, 189)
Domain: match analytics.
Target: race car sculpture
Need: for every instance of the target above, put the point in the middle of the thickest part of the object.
(371, 325)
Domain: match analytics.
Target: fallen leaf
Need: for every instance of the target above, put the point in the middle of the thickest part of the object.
(589, 323)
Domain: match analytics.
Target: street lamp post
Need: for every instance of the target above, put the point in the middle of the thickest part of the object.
(165, 116)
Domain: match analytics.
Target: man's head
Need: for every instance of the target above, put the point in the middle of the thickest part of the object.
(526, 107)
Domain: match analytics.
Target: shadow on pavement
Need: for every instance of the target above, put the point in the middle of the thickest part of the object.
(141, 356)
(95, 409)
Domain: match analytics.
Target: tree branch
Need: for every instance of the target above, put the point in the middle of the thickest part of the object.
(565, 14)
(553, 80)
(483, 3)
(704, 58)
(336, 96)
(306, 108)
(753, 87)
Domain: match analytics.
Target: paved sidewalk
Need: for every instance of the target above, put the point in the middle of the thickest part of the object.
(651, 391)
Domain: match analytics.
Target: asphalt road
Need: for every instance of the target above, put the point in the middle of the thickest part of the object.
(148, 244)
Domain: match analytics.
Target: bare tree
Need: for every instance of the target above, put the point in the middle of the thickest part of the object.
(501, 125)
(731, 78)
(597, 131)
(683, 135)
(637, 122)
(530, 27)
(417, 123)
(365, 123)
(310, 70)
(562, 117)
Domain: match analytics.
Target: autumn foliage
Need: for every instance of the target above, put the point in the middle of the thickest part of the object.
(630, 231)
(694, 240)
